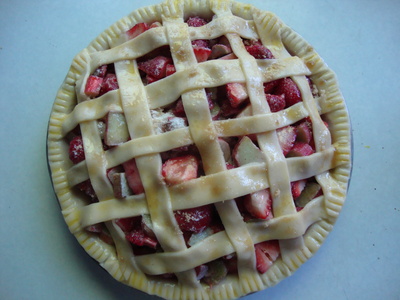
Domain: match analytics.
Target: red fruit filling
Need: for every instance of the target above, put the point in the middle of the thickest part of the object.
(194, 219)
(101, 81)
(179, 169)
(266, 253)
(184, 163)
(76, 150)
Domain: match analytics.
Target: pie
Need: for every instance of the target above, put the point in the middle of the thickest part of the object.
(200, 149)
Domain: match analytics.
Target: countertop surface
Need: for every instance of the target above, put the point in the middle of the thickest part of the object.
(40, 259)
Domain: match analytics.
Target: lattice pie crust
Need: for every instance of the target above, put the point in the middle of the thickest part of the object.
(299, 232)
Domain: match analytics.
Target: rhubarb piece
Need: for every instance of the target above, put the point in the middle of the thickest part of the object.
(286, 138)
(266, 253)
(137, 30)
(199, 236)
(237, 93)
(147, 226)
(304, 132)
(180, 169)
(292, 93)
(116, 129)
(219, 50)
(201, 271)
(246, 152)
(76, 150)
(228, 56)
(259, 204)
(300, 149)
(194, 219)
(110, 83)
(311, 190)
(93, 86)
(133, 177)
(120, 186)
(156, 67)
(101, 126)
(226, 149)
(276, 102)
(139, 238)
(127, 224)
(217, 271)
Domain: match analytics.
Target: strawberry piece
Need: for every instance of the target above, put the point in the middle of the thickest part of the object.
(169, 69)
(304, 132)
(137, 30)
(87, 188)
(266, 253)
(133, 176)
(263, 263)
(292, 93)
(196, 22)
(258, 50)
(155, 67)
(286, 138)
(110, 83)
(228, 111)
(194, 219)
(230, 262)
(180, 169)
(276, 102)
(127, 224)
(76, 150)
(201, 53)
(237, 93)
(179, 110)
(139, 238)
(297, 187)
(93, 86)
(301, 149)
(259, 204)
(100, 71)
(269, 86)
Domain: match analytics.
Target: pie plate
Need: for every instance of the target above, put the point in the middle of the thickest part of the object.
(200, 149)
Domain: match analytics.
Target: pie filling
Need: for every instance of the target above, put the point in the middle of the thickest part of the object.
(198, 158)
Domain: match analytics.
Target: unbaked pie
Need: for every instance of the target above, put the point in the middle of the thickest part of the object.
(200, 149)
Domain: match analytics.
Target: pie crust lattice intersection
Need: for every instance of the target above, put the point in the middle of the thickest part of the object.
(300, 233)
